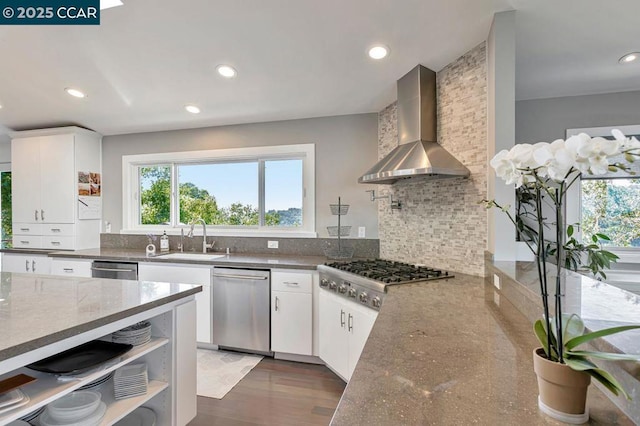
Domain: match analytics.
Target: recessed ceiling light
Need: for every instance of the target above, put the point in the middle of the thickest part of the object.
(192, 109)
(378, 51)
(226, 71)
(107, 4)
(75, 92)
(629, 57)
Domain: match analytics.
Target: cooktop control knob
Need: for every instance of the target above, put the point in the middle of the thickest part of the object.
(364, 297)
(342, 288)
(376, 302)
(352, 292)
(333, 285)
(324, 282)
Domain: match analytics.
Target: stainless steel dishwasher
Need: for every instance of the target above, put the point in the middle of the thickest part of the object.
(115, 270)
(241, 309)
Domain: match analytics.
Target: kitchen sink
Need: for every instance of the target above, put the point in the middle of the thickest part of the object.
(191, 256)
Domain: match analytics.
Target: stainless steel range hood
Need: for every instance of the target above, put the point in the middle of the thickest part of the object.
(418, 153)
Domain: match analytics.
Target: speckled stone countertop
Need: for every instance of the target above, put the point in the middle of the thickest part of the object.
(451, 352)
(231, 260)
(37, 310)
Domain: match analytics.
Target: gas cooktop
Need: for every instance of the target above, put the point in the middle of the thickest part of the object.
(388, 271)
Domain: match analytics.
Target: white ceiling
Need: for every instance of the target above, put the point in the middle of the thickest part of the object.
(294, 58)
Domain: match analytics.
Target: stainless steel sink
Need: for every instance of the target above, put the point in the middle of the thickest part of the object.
(191, 256)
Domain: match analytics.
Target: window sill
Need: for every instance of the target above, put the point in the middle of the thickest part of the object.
(224, 232)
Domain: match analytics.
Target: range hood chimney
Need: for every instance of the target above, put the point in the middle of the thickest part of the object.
(417, 154)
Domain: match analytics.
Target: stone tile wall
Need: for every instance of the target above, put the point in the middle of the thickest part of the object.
(441, 223)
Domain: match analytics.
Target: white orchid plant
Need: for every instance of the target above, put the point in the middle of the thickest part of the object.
(549, 170)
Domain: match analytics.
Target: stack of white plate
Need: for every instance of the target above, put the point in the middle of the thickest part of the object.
(137, 334)
(130, 380)
(12, 399)
(80, 408)
(98, 382)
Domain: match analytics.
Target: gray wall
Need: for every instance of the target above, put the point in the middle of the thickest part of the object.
(346, 146)
(548, 119)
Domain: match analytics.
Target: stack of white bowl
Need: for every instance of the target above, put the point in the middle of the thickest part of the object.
(130, 380)
(80, 408)
(137, 334)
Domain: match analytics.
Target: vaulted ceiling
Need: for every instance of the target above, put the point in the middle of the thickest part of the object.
(295, 59)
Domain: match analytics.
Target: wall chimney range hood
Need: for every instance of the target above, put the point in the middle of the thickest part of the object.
(417, 154)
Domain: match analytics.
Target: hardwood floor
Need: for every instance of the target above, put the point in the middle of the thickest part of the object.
(275, 393)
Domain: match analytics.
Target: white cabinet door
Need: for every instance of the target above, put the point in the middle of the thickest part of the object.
(360, 321)
(187, 274)
(71, 267)
(333, 339)
(26, 263)
(25, 180)
(57, 178)
(291, 322)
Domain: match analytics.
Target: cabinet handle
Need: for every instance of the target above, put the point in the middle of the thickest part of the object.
(68, 270)
(36, 214)
(55, 243)
(42, 214)
(55, 230)
(24, 242)
(290, 283)
(24, 229)
(350, 322)
(26, 265)
(341, 318)
(277, 303)
(33, 266)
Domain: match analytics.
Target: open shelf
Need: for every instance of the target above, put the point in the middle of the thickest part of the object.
(47, 388)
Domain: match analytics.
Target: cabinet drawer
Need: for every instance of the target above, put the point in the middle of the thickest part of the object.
(27, 229)
(71, 268)
(67, 229)
(61, 243)
(293, 281)
(27, 241)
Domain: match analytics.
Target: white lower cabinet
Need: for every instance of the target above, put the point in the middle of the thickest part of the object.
(71, 267)
(344, 329)
(186, 274)
(292, 311)
(26, 263)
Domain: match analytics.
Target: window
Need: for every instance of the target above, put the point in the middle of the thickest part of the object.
(237, 191)
(5, 208)
(612, 207)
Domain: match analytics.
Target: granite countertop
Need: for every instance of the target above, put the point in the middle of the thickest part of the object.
(245, 260)
(37, 310)
(451, 352)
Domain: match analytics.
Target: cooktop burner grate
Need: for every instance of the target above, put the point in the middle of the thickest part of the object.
(388, 271)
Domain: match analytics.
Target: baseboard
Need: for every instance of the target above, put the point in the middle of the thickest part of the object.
(298, 358)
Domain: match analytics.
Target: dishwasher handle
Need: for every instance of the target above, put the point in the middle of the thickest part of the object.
(242, 277)
(95, 268)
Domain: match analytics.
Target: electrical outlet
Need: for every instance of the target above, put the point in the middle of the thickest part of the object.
(361, 231)
(496, 281)
(272, 244)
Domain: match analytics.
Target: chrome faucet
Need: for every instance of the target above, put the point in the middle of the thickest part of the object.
(205, 246)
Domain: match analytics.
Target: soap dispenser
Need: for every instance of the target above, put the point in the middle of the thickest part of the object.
(164, 242)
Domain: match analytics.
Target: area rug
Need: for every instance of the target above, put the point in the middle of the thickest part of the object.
(220, 371)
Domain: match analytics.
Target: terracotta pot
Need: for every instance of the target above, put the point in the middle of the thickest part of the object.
(562, 391)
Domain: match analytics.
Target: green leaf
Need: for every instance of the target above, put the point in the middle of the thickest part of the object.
(600, 333)
(605, 355)
(541, 334)
(594, 238)
(573, 326)
(578, 363)
(603, 237)
(569, 230)
(608, 381)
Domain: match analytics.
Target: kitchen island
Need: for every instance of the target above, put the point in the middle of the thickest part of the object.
(451, 352)
(45, 315)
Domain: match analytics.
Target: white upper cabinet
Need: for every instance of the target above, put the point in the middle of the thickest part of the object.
(46, 188)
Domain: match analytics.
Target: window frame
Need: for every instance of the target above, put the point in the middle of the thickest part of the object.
(131, 184)
(573, 208)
